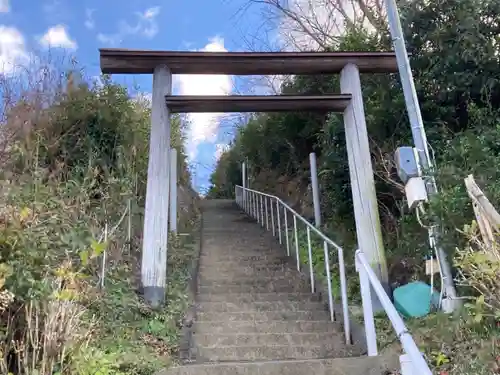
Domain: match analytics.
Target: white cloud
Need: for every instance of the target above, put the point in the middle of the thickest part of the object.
(12, 49)
(220, 148)
(203, 126)
(146, 26)
(4, 6)
(57, 37)
(89, 20)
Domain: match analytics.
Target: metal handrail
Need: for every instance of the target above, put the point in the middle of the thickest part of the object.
(412, 362)
(251, 201)
(368, 282)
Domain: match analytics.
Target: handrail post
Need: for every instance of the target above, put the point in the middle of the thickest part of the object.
(257, 207)
(286, 232)
(279, 219)
(343, 295)
(249, 203)
(366, 298)
(254, 205)
(261, 210)
(267, 213)
(244, 183)
(329, 280)
(309, 250)
(296, 242)
(272, 217)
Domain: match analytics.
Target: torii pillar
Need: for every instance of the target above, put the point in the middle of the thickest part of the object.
(155, 240)
(364, 197)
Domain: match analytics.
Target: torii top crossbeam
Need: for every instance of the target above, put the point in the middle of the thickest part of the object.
(127, 61)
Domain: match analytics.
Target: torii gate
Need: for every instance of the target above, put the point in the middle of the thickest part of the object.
(162, 64)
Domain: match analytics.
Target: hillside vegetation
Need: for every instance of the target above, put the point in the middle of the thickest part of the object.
(455, 57)
(73, 169)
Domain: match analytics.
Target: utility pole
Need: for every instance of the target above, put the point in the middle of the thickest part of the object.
(420, 140)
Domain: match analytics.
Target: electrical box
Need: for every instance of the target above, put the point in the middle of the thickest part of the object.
(415, 192)
(407, 163)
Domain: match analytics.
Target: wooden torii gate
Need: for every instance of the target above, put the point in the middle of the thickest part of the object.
(162, 64)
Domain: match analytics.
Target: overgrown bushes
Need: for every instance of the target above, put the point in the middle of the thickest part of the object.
(70, 165)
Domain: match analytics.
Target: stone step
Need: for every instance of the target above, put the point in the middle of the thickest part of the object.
(250, 253)
(236, 267)
(242, 259)
(255, 281)
(259, 285)
(332, 349)
(262, 315)
(278, 278)
(252, 288)
(251, 272)
(258, 297)
(217, 288)
(225, 307)
(267, 339)
(337, 366)
(267, 326)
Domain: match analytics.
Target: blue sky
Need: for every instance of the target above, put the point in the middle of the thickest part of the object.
(81, 27)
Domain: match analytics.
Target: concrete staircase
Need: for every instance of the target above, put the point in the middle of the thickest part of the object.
(256, 313)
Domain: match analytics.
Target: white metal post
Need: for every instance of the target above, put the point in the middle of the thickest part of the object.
(155, 239)
(279, 219)
(286, 231)
(296, 242)
(267, 213)
(343, 296)
(173, 190)
(366, 301)
(369, 233)
(309, 254)
(272, 217)
(315, 189)
(328, 280)
(244, 183)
